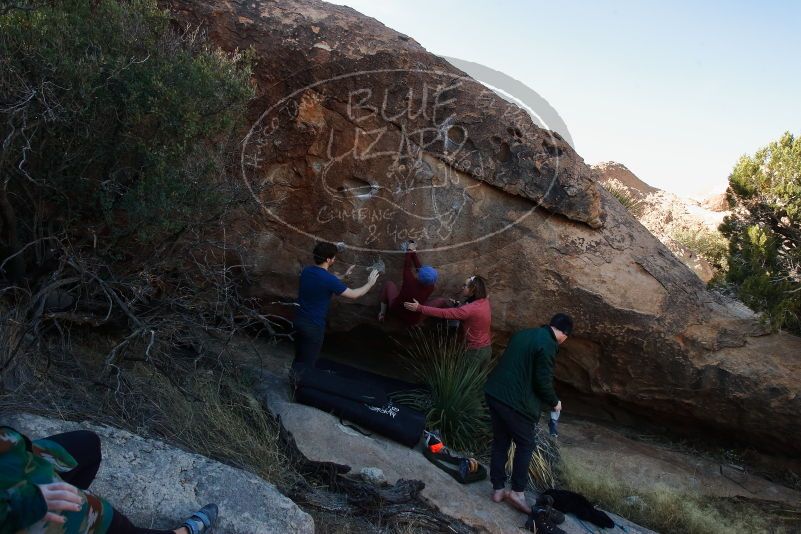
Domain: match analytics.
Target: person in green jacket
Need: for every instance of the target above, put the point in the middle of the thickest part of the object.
(517, 390)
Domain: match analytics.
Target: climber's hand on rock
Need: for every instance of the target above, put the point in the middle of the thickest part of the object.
(350, 270)
(411, 306)
(60, 497)
(373, 277)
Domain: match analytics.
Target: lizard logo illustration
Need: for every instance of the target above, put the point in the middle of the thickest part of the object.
(395, 157)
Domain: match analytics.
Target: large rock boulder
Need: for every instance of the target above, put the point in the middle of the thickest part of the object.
(156, 485)
(360, 136)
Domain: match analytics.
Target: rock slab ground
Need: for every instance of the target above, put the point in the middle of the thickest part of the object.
(321, 437)
(157, 485)
(644, 465)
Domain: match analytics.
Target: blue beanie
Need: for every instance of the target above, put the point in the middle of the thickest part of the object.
(427, 275)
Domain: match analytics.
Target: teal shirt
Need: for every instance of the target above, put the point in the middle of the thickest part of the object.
(523, 378)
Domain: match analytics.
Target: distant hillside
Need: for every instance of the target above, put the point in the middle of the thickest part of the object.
(611, 170)
(716, 202)
(674, 220)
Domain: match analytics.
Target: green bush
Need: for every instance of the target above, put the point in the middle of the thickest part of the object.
(118, 136)
(764, 232)
(708, 244)
(454, 399)
(114, 124)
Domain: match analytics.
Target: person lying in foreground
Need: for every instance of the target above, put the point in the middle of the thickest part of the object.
(44, 489)
(475, 316)
(517, 390)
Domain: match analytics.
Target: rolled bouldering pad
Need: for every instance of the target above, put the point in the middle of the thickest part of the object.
(340, 384)
(398, 423)
(387, 384)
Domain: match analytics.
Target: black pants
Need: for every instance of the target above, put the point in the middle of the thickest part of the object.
(509, 426)
(308, 342)
(84, 446)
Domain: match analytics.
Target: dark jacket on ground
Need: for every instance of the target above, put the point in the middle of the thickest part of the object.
(523, 378)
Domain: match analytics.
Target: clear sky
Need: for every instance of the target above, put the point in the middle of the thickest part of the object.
(675, 91)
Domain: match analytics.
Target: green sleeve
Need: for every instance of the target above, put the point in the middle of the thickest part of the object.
(543, 377)
(20, 507)
(21, 501)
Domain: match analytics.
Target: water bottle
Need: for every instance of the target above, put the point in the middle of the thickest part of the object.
(552, 425)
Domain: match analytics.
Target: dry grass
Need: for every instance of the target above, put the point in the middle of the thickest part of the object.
(12, 337)
(544, 466)
(201, 405)
(221, 420)
(664, 509)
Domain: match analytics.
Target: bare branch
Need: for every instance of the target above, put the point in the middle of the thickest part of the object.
(24, 248)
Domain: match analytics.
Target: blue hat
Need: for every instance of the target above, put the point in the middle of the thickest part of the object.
(427, 275)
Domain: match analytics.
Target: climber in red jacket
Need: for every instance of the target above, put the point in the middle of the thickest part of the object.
(475, 315)
(419, 282)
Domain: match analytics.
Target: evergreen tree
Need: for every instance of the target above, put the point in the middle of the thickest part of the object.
(764, 231)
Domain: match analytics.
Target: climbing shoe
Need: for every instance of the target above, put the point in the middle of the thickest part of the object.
(540, 523)
(545, 503)
(202, 520)
(544, 518)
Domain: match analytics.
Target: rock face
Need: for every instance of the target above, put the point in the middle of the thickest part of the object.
(612, 171)
(360, 136)
(157, 486)
(717, 202)
(667, 216)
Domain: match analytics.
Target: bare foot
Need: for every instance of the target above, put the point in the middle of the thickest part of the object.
(518, 501)
(498, 495)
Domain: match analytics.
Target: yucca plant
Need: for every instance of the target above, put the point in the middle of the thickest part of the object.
(454, 398)
(543, 470)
